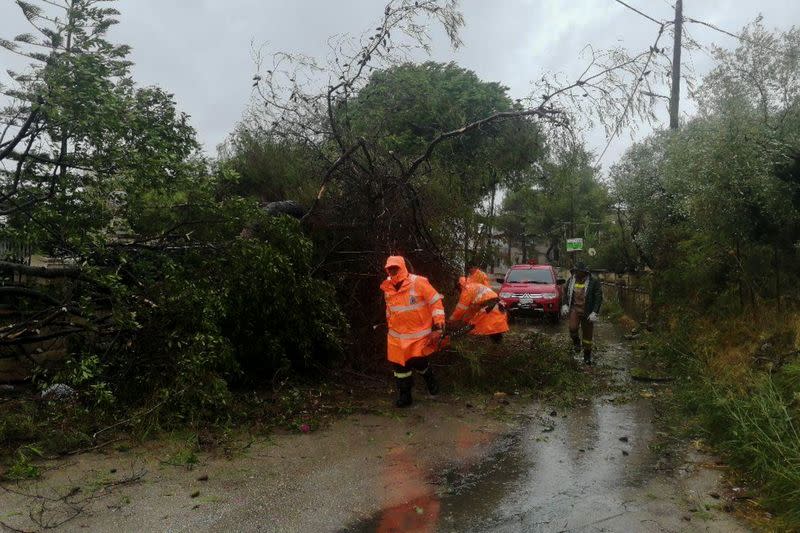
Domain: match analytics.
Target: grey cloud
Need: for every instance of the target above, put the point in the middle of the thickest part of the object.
(201, 49)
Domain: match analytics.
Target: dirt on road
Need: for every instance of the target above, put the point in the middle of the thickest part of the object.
(446, 464)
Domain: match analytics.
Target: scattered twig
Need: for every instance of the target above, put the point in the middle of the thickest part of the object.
(127, 420)
(93, 448)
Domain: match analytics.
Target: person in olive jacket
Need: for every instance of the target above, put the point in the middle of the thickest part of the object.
(584, 296)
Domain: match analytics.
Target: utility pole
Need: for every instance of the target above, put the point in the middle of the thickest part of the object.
(675, 98)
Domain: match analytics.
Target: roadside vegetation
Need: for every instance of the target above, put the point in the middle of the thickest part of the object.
(713, 210)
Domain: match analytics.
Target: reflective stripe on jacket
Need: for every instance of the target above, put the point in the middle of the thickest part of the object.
(412, 309)
(471, 308)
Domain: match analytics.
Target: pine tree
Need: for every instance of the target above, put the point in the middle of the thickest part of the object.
(47, 127)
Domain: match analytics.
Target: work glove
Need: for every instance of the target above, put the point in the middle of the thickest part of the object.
(593, 317)
(564, 310)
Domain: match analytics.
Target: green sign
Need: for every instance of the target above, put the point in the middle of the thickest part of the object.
(574, 245)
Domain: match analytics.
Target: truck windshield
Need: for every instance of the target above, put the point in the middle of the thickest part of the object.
(544, 277)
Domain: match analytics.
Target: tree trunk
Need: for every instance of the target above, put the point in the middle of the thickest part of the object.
(777, 258)
(466, 243)
(490, 227)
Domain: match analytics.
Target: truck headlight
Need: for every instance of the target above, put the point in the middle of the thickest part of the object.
(549, 295)
(506, 295)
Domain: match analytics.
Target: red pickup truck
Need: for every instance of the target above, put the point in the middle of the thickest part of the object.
(533, 288)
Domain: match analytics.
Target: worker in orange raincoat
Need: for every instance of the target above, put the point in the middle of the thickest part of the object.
(415, 316)
(480, 307)
(476, 275)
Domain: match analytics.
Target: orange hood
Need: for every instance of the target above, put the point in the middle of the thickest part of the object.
(398, 261)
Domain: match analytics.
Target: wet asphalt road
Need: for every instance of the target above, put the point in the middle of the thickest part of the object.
(588, 469)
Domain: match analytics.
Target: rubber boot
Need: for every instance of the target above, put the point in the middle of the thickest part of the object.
(431, 382)
(587, 357)
(404, 386)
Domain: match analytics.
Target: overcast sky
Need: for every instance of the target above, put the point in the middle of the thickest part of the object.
(200, 50)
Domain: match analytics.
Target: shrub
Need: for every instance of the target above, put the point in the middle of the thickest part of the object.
(187, 324)
(526, 362)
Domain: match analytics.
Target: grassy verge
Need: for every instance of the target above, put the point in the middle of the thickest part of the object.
(32, 429)
(737, 387)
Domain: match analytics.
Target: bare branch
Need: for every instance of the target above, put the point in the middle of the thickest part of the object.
(540, 112)
(329, 174)
(21, 134)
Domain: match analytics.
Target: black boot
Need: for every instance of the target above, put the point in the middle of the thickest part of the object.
(404, 386)
(587, 358)
(430, 382)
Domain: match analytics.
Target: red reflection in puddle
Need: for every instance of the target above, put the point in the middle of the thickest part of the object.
(408, 483)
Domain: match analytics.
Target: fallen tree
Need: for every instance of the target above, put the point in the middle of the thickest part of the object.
(406, 161)
(170, 289)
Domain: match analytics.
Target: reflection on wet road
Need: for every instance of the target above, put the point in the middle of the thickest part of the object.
(581, 470)
(421, 512)
(568, 471)
(420, 509)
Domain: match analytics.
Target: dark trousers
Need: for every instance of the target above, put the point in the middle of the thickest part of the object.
(420, 364)
(577, 321)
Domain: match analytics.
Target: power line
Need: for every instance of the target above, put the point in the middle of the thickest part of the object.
(741, 38)
(713, 27)
(645, 15)
(692, 20)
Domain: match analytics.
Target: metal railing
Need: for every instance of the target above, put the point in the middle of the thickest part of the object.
(634, 300)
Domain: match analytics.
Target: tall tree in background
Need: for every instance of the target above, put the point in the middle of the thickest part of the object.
(405, 106)
(77, 130)
(564, 200)
(719, 198)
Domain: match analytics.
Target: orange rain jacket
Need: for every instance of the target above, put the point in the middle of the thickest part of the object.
(411, 311)
(480, 277)
(471, 309)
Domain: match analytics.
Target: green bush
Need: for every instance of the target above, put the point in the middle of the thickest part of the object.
(22, 469)
(753, 420)
(276, 314)
(233, 309)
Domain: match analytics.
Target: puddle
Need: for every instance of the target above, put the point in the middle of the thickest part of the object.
(586, 469)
